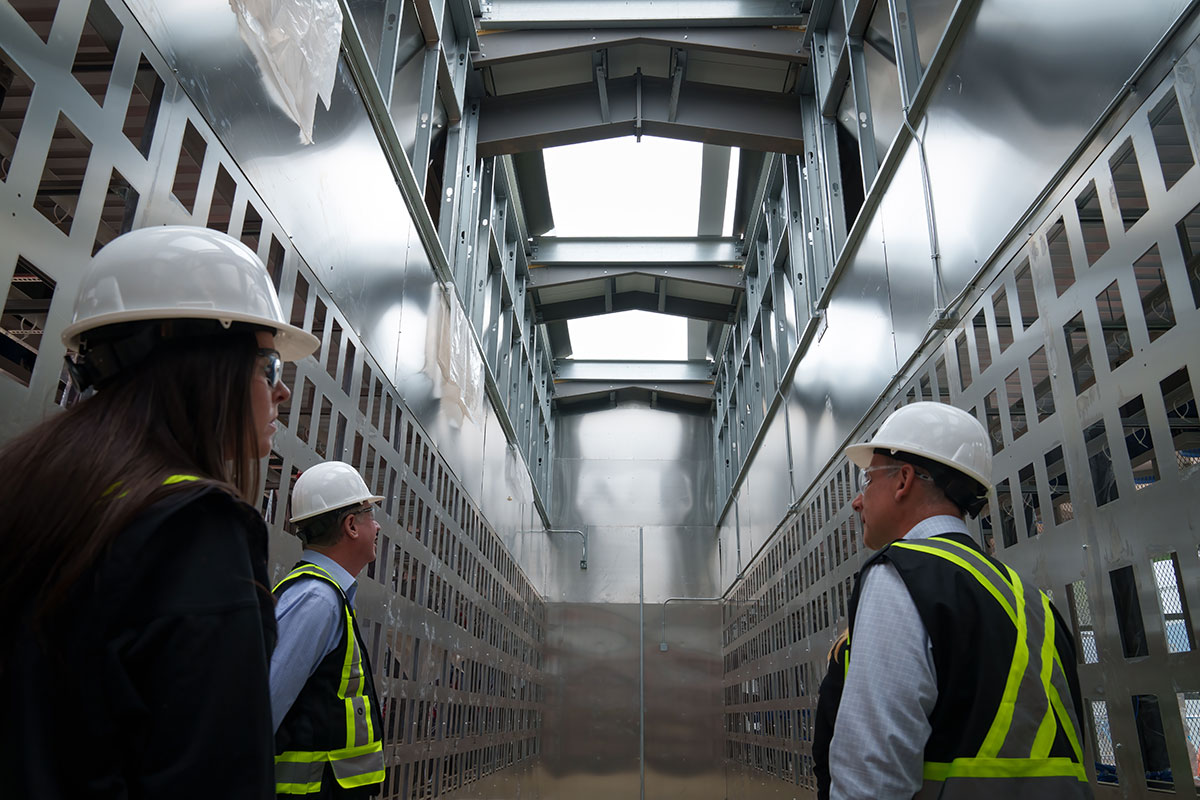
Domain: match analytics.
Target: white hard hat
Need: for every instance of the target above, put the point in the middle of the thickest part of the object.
(326, 487)
(181, 272)
(935, 431)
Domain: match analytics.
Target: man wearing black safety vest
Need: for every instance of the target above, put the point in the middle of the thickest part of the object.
(328, 723)
(961, 680)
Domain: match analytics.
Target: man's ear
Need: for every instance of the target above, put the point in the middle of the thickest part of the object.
(908, 479)
(349, 527)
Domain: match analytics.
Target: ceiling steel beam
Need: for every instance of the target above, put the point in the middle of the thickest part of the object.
(552, 251)
(775, 44)
(576, 390)
(614, 301)
(549, 277)
(508, 14)
(641, 372)
(724, 115)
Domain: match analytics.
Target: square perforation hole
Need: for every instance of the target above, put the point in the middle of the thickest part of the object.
(1091, 223)
(97, 50)
(1117, 345)
(1182, 420)
(1059, 254)
(1139, 443)
(141, 116)
(220, 210)
(1153, 741)
(1100, 463)
(1106, 757)
(38, 14)
(1188, 231)
(1078, 353)
(62, 176)
(15, 91)
(1081, 617)
(1157, 308)
(1026, 299)
(1170, 140)
(1177, 622)
(300, 302)
(1060, 487)
(116, 216)
(1043, 394)
(1030, 508)
(187, 169)
(1129, 612)
(1127, 182)
(24, 320)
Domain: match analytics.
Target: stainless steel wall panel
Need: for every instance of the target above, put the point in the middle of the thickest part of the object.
(633, 465)
(851, 359)
(999, 127)
(767, 489)
(908, 249)
(593, 703)
(1072, 352)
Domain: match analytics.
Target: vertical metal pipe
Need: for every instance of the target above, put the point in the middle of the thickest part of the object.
(642, 663)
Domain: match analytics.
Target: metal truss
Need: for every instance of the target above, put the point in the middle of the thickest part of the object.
(477, 248)
(775, 323)
(640, 105)
(524, 14)
(504, 47)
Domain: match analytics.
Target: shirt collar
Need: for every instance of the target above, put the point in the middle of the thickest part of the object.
(344, 579)
(934, 526)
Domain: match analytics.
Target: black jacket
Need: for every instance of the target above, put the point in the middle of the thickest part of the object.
(152, 682)
(829, 697)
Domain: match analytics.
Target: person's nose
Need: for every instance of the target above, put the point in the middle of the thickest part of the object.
(282, 393)
(857, 504)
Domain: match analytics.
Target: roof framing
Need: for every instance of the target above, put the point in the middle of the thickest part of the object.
(640, 105)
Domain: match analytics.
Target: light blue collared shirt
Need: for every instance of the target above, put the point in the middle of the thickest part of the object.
(878, 747)
(309, 616)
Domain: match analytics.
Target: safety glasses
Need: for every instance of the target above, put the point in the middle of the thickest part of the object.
(272, 366)
(864, 474)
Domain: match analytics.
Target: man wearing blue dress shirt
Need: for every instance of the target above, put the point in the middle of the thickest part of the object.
(961, 680)
(328, 723)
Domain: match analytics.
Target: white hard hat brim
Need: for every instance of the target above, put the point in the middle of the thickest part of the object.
(292, 343)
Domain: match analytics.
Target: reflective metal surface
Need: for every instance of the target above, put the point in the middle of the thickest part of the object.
(593, 702)
(1072, 348)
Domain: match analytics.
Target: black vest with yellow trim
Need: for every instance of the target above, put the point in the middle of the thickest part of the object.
(1005, 723)
(335, 721)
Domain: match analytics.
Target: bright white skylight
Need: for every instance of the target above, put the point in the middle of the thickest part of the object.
(629, 336)
(731, 191)
(622, 187)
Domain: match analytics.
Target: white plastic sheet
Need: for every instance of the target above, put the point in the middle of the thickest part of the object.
(296, 44)
(459, 359)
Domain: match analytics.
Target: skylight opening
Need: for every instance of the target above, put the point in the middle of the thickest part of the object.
(731, 191)
(622, 187)
(629, 336)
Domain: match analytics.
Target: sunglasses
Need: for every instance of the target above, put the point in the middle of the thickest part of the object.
(272, 366)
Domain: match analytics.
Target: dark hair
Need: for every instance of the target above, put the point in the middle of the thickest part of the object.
(964, 491)
(186, 409)
(325, 529)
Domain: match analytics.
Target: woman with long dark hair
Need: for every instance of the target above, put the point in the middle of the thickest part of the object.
(135, 591)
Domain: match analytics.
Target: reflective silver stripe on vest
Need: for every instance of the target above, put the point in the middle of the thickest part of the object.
(298, 777)
(1027, 788)
(359, 770)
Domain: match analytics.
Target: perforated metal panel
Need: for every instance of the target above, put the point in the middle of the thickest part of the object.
(1079, 354)
(96, 138)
